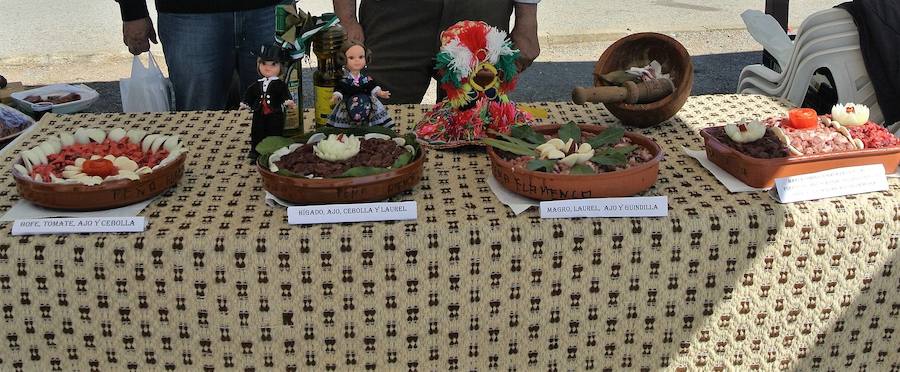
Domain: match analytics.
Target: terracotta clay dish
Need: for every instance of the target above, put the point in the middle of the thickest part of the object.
(580, 170)
(783, 150)
(342, 168)
(93, 169)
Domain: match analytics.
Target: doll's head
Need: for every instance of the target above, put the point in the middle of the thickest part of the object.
(268, 68)
(354, 56)
(268, 61)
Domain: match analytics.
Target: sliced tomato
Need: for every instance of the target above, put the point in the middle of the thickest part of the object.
(803, 118)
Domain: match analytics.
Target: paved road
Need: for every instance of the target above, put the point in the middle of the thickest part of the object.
(55, 29)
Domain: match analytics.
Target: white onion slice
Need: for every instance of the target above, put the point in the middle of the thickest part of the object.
(116, 134)
(148, 142)
(135, 135)
(66, 139)
(96, 135)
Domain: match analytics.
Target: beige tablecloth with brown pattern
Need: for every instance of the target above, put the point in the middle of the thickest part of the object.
(220, 281)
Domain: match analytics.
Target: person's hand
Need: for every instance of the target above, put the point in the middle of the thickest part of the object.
(290, 103)
(335, 100)
(354, 31)
(243, 106)
(383, 94)
(138, 34)
(524, 35)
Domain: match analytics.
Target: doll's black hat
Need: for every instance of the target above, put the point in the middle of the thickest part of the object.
(270, 53)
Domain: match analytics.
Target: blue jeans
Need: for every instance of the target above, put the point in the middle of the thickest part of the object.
(203, 51)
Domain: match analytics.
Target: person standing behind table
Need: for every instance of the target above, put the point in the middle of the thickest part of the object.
(405, 35)
(204, 42)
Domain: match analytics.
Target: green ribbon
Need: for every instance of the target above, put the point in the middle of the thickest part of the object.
(294, 29)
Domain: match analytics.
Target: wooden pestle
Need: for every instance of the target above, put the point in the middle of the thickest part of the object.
(644, 92)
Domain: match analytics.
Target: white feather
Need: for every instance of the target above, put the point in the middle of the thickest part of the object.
(463, 61)
(496, 45)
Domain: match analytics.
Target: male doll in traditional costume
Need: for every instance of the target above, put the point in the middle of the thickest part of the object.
(266, 97)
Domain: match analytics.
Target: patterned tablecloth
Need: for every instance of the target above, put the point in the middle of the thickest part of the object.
(220, 281)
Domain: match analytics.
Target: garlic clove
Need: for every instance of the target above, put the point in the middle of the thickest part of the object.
(554, 154)
(569, 160)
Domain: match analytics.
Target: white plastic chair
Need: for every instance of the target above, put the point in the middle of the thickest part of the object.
(780, 45)
(814, 47)
(812, 35)
(850, 78)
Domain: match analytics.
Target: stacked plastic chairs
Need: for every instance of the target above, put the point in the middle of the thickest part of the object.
(826, 39)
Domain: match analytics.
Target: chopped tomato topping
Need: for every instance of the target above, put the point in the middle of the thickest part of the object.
(99, 167)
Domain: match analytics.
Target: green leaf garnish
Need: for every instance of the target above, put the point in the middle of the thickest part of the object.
(581, 169)
(612, 159)
(509, 147)
(518, 141)
(538, 164)
(287, 173)
(607, 137)
(624, 150)
(264, 160)
(527, 133)
(402, 160)
(569, 131)
(271, 144)
(411, 140)
(362, 171)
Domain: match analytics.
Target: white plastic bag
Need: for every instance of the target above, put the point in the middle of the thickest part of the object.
(147, 90)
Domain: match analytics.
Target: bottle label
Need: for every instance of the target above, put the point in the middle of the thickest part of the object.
(292, 117)
(323, 104)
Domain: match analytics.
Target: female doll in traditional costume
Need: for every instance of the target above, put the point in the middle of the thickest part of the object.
(356, 95)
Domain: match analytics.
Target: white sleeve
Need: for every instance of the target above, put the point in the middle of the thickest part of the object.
(376, 90)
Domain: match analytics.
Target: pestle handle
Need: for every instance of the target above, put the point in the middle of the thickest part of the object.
(580, 95)
(644, 92)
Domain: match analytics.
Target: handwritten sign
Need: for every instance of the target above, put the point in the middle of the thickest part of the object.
(831, 183)
(43, 226)
(653, 206)
(332, 213)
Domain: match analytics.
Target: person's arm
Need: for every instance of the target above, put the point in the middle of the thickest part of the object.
(524, 33)
(346, 13)
(137, 28)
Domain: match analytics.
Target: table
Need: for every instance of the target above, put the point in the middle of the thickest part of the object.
(219, 281)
